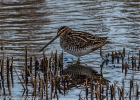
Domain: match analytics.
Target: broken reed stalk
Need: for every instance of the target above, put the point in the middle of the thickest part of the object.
(33, 82)
(120, 93)
(34, 86)
(26, 77)
(57, 68)
(86, 88)
(11, 70)
(118, 57)
(47, 77)
(2, 73)
(137, 91)
(51, 81)
(111, 92)
(56, 94)
(97, 91)
(36, 66)
(2, 66)
(122, 88)
(40, 85)
(44, 61)
(18, 77)
(61, 63)
(128, 55)
(52, 88)
(0, 76)
(131, 86)
(122, 67)
(100, 84)
(139, 57)
(0, 86)
(122, 63)
(30, 74)
(55, 90)
(64, 84)
(55, 60)
(91, 88)
(107, 88)
(31, 65)
(125, 65)
(112, 57)
(22, 75)
(132, 62)
(26, 91)
(8, 76)
(114, 90)
(123, 52)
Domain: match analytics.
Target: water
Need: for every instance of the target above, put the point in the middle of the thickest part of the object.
(33, 23)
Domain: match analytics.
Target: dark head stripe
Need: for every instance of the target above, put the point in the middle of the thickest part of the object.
(63, 29)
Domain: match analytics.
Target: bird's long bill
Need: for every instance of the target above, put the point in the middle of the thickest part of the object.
(49, 43)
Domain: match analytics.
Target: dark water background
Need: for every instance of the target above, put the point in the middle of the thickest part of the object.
(33, 23)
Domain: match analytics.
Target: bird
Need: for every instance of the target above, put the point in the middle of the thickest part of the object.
(78, 43)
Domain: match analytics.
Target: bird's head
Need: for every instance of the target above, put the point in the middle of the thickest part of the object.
(61, 32)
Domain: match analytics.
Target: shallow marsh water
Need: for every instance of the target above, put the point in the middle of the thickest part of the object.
(33, 23)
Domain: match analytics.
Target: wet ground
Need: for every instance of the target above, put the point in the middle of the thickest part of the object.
(33, 23)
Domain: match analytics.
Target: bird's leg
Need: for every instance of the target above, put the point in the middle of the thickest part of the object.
(78, 60)
(101, 53)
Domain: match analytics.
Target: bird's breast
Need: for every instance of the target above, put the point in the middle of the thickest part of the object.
(75, 50)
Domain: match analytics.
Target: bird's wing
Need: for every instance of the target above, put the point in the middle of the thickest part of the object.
(84, 39)
(79, 39)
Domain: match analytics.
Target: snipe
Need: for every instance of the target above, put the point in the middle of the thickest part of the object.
(77, 43)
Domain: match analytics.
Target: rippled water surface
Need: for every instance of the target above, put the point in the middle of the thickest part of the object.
(33, 23)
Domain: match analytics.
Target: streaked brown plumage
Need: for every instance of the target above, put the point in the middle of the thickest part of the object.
(78, 43)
